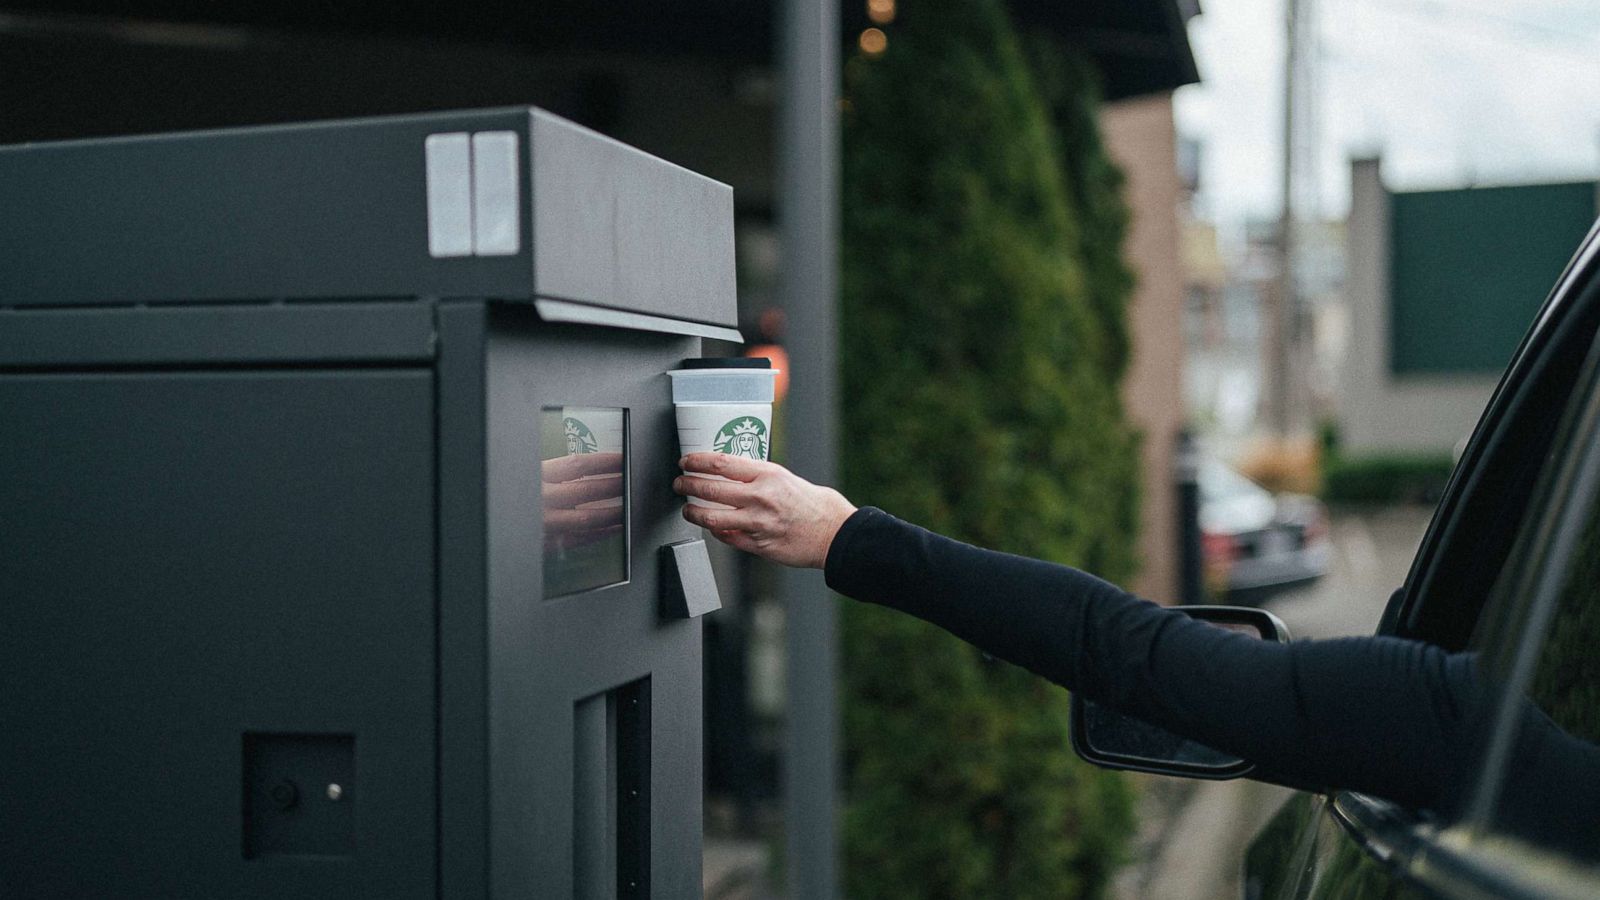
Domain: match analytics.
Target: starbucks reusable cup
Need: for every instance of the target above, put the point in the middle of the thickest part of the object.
(724, 405)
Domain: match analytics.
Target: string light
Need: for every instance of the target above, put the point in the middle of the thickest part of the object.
(880, 11)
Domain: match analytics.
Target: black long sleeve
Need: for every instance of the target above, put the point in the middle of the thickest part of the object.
(1352, 713)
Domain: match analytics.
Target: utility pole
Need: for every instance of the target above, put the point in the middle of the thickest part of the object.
(1282, 305)
(1287, 380)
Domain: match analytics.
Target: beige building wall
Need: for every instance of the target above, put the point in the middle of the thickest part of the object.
(1140, 135)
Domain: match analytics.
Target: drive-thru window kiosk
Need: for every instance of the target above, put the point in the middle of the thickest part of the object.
(338, 550)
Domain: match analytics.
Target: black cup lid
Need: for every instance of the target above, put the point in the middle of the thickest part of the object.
(727, 362)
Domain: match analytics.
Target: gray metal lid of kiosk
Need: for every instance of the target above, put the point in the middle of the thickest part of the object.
(510, 204)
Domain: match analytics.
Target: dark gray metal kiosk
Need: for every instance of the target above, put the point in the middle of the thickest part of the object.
(338, 554)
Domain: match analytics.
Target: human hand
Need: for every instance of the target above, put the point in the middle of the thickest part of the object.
(582, 499)
(777, 514)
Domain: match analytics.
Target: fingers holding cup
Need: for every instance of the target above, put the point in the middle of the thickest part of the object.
(715, 520)
(724, 465)
(718, 493)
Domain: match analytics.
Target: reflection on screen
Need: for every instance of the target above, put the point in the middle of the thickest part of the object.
(583, 460)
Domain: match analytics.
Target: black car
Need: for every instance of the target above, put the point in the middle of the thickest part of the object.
(1509, 569)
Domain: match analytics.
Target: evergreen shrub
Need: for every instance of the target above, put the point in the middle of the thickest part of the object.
(982, 340)
(1386, 479)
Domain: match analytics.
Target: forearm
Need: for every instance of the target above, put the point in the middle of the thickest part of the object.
(1022, 610)
(1351, 713)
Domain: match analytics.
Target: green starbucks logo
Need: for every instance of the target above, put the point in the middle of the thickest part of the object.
(579, 438)
(742, 437)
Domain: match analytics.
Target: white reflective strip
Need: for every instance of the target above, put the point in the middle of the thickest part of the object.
(449, 176)
(496, 202)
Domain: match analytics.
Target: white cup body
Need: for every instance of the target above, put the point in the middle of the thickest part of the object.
(738, 429)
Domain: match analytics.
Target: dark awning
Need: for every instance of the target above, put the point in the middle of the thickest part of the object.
(1140, 45)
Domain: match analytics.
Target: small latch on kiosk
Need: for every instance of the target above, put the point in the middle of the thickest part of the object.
(688, 588)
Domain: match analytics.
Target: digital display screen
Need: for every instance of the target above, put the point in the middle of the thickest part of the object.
(583, 458)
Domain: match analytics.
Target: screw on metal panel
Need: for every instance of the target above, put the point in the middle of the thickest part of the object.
(285, 794)
(335, 792)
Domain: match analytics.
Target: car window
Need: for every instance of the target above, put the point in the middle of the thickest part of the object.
(1539, 647)
(1566, 682)
(1548, 786)
(1475, 586)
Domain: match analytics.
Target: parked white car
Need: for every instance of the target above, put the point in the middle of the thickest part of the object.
(1254, 542)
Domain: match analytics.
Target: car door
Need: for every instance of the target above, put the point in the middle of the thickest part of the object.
(1351, 845)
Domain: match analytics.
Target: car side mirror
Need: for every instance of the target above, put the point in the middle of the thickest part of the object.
(1116, 741)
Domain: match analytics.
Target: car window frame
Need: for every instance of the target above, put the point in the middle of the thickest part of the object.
(1470, 857)
(1417, 609)
(1544, 555)
(1464, 857)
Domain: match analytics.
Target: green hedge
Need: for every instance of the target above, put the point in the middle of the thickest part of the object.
(982, 339)
(1386, 479)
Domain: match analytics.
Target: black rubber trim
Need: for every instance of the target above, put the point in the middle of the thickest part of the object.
(728, 362)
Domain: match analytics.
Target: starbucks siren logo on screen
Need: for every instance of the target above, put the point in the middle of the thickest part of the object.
(579, 438)
(742, 437)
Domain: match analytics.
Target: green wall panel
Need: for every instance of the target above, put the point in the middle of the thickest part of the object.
(1469, 269)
